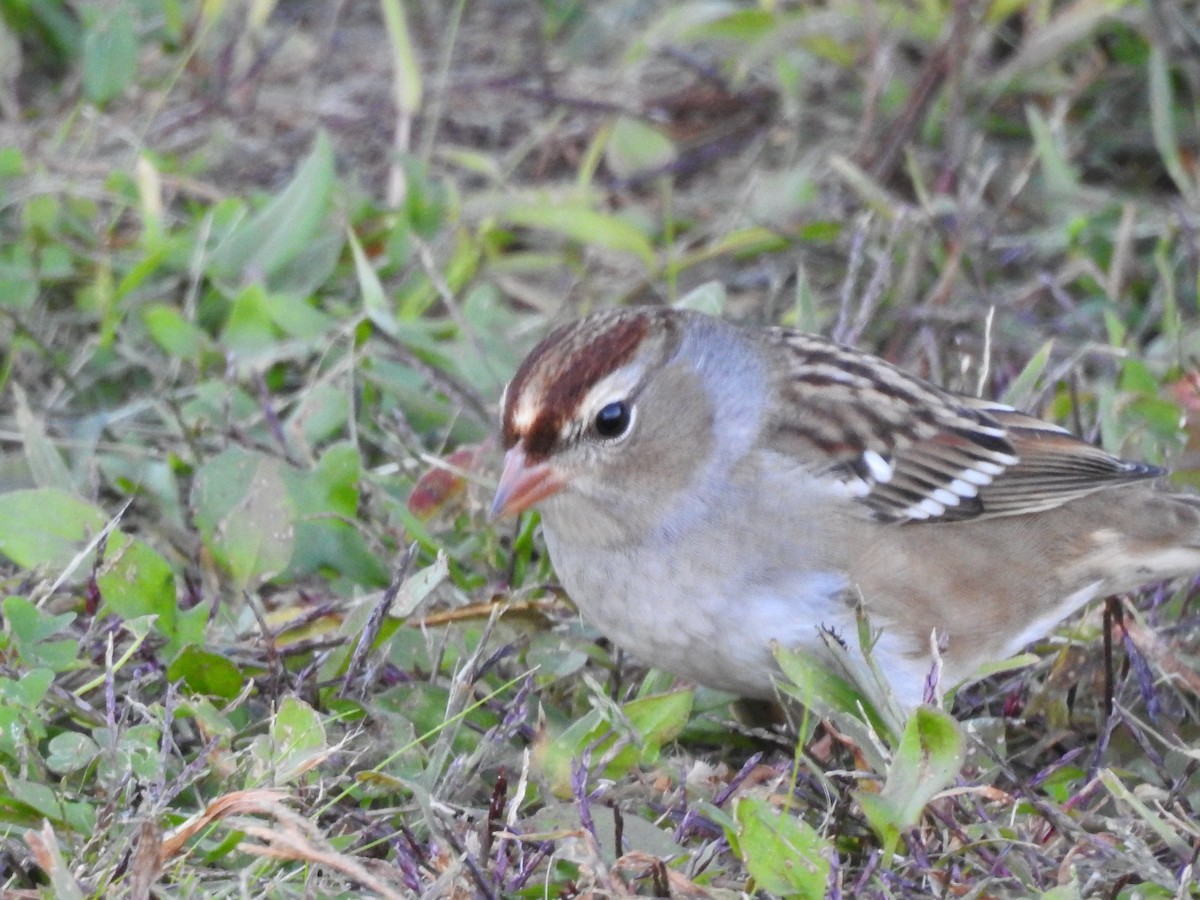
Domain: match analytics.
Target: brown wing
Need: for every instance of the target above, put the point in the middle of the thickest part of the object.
(1054, 466)
(911, 451)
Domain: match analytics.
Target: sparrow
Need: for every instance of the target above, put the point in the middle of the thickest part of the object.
(708, 491)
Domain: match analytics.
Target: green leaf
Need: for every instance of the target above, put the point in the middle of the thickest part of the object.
(207, 673)
(46, 526)
(620, 737)
(660, 718)
(321, 414)
(70, 752)
(19, 281)
(38, 801)
(137, 752)
(259, 249)
(245, 515)
(45, 462)
(296, 317)
(709, 297)
(32, 631)
(21, 714)
(173, 333)
(930, 754)
(374, 299)
(835, 687)
(212, 720)
(576, 222)
(28, 690)
(406, 75)
(1060, 176)
(14, 724)
(249, 330)
(751, 241)
(785, 854)
(135, 582)
(325, 500)
(1021, 389)
(110, 54)
(426, 204)
(12, 162)
(294, 745)
(1070, 891)
(636, 147)
(1162, 124)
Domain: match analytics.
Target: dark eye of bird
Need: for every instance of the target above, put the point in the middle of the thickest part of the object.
(613, 419)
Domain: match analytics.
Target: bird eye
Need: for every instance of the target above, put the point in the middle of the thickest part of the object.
(613, 419)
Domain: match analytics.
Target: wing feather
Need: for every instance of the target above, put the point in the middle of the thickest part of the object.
(910, 451)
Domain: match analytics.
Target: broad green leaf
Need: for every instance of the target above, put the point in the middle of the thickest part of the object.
(14, 724)
(208, 716)
(21, 714)
(930, 754)
(249, 330)
(110, 53)
(70, 752)
(296, 317)
(709, 297)
(283, 230)
(305, 273)
(619, 737)
(294, 744)
(660, 718)
(12, 162)
(588, 227)
(322, 414)
(46, 526)
(833, 686)
(786, 856)
(812, 681)
(207, 673)
(245, 515)
(562, 818)
(1137, 378)
(1068, 891)
(173, 333)
(152, 480)
(418, 586)
(636, 147)
(138, 749)
(325, 503)
(748, 25)
(136, 582)
(33, 632)
(18, 278)
(42, 802)
(29, 689)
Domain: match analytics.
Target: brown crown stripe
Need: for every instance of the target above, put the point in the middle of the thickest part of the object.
(563, 368)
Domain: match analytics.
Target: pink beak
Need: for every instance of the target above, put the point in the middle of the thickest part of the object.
(522, 484)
